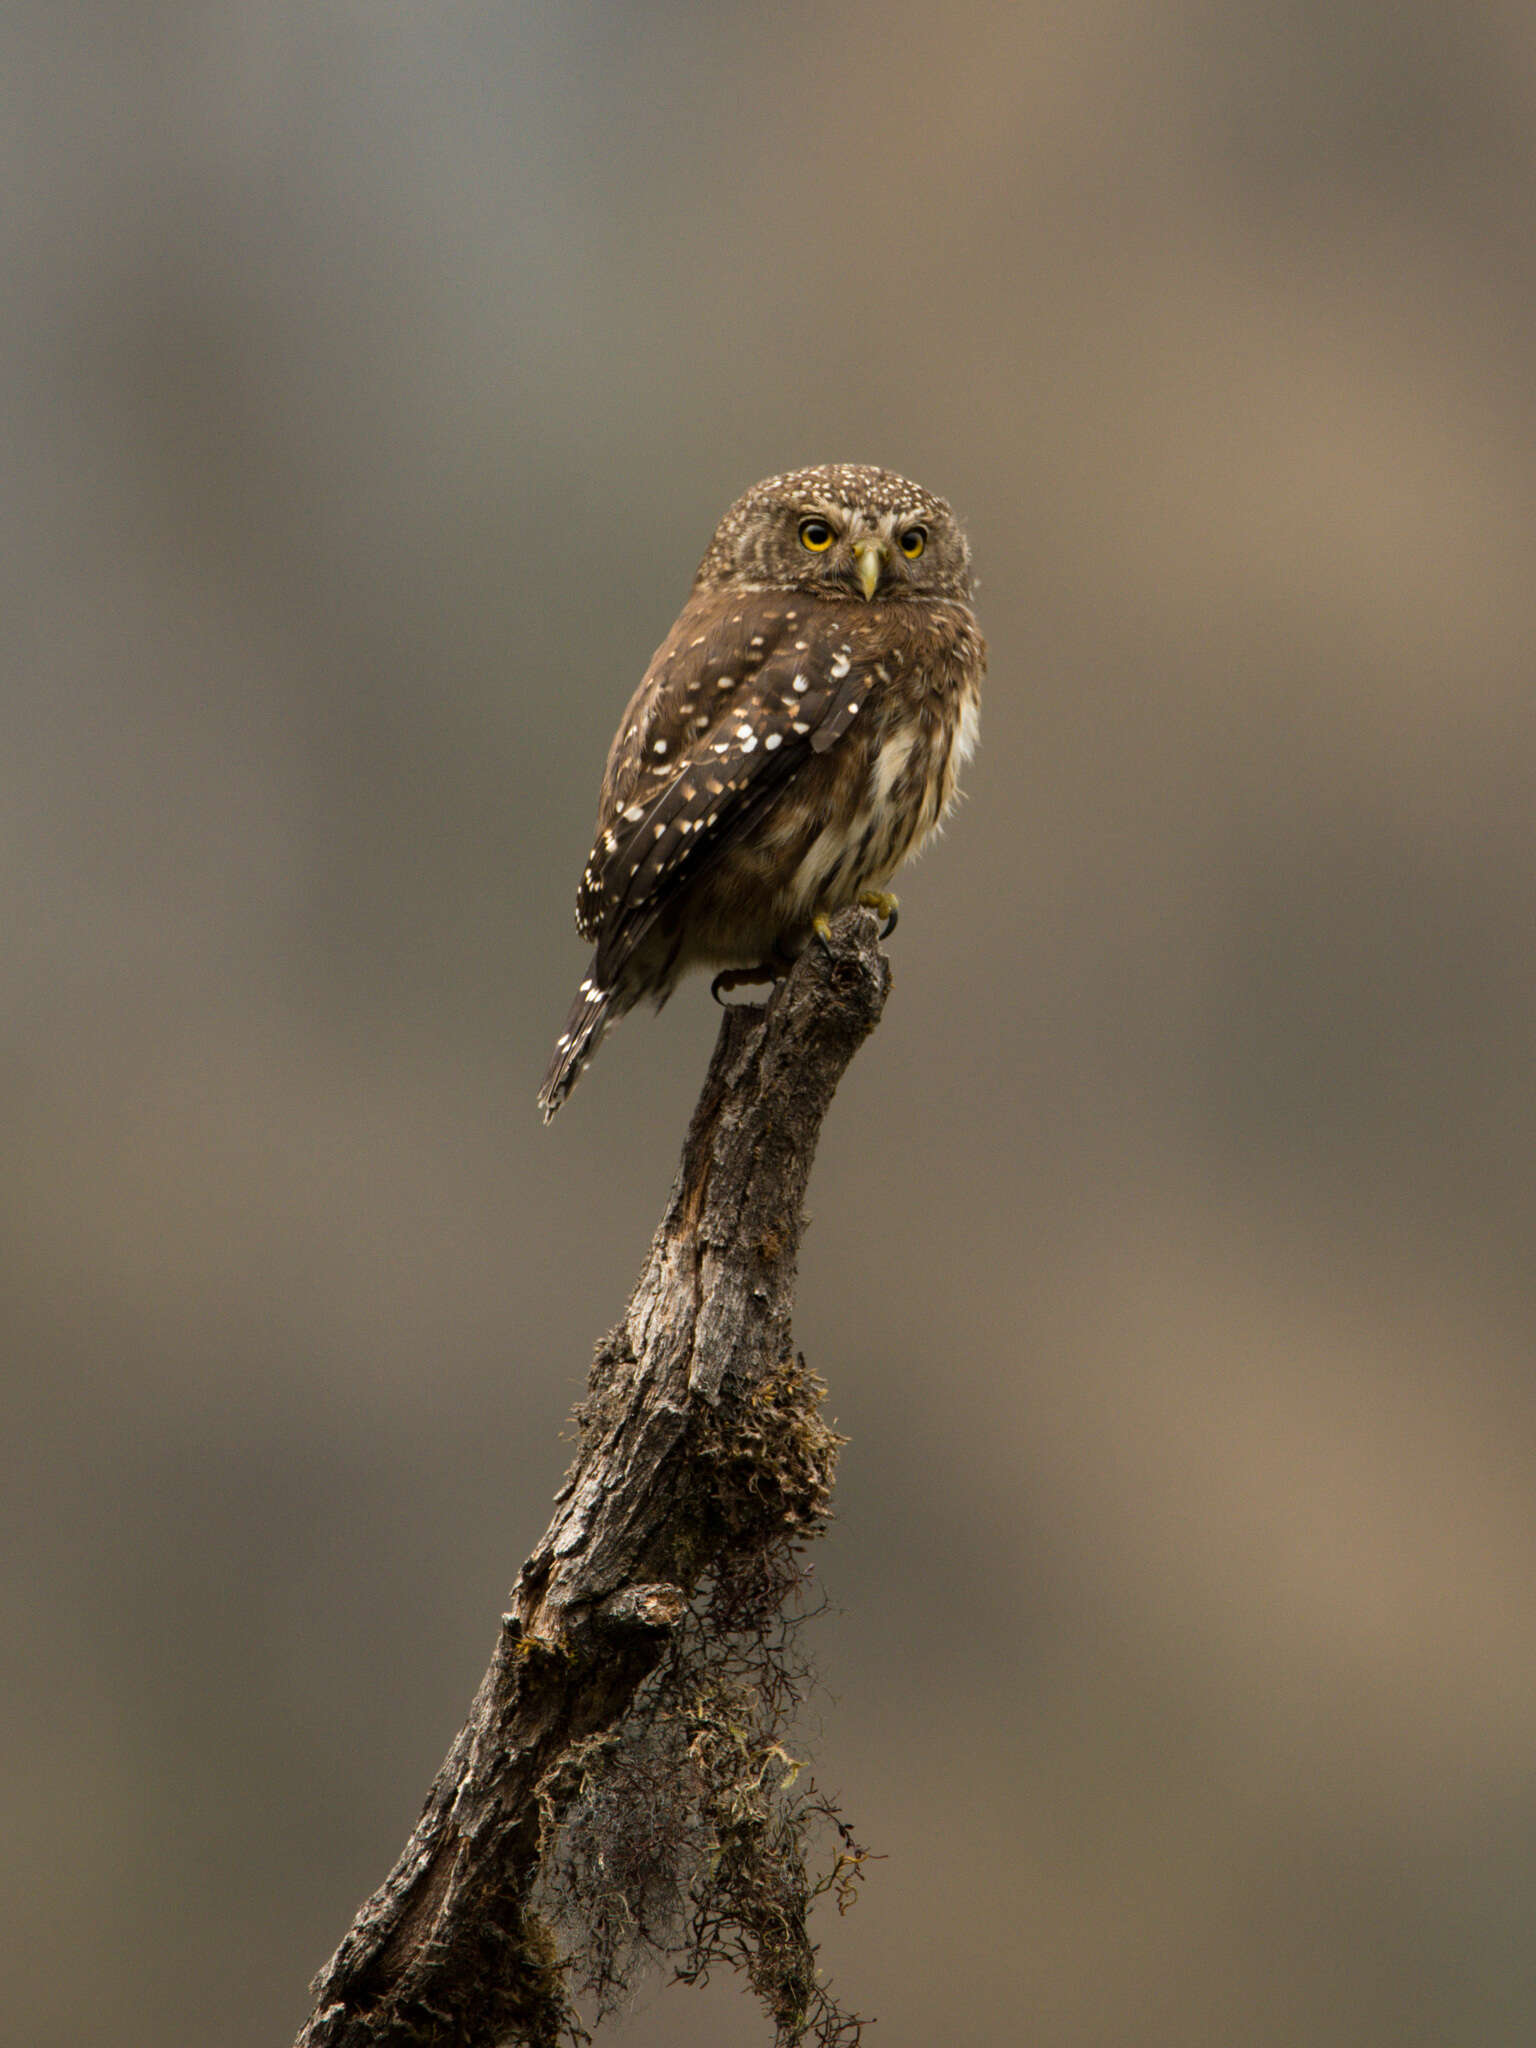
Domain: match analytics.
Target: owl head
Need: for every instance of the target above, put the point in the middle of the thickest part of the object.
(841, 531)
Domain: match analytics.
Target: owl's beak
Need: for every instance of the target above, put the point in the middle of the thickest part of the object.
(869, 560)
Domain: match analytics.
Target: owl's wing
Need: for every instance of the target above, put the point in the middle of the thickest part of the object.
(742, 691)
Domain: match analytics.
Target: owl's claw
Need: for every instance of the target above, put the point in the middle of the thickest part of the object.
(883, 904)
(738, 977)
(880, 901)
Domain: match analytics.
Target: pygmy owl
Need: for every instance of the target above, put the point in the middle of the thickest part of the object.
(797, 735)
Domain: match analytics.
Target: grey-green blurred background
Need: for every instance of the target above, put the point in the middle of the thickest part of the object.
(373, 377)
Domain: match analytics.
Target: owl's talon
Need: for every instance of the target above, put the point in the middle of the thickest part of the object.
(821, 928)
(738, 977)
(883, 904)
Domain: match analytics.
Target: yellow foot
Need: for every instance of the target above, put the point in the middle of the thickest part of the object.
(739, 977)
(821, 928)
(883, 905)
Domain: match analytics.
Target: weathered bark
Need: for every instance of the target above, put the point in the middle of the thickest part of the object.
(664, 1484)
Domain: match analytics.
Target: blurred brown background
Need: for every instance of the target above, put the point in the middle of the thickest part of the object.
(373, 377)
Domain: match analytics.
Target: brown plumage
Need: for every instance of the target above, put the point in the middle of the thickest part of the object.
(796, 737)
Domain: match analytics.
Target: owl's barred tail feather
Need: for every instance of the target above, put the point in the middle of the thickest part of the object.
(593, 1011)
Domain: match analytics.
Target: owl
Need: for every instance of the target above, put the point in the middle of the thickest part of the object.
(797, 735)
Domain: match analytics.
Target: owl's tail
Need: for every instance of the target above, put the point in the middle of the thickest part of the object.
(593, 1011)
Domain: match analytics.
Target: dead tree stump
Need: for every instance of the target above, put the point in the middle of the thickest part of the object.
(620, 1791)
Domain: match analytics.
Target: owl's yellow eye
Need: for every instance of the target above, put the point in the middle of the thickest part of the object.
(913, 541)
(816, 535)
